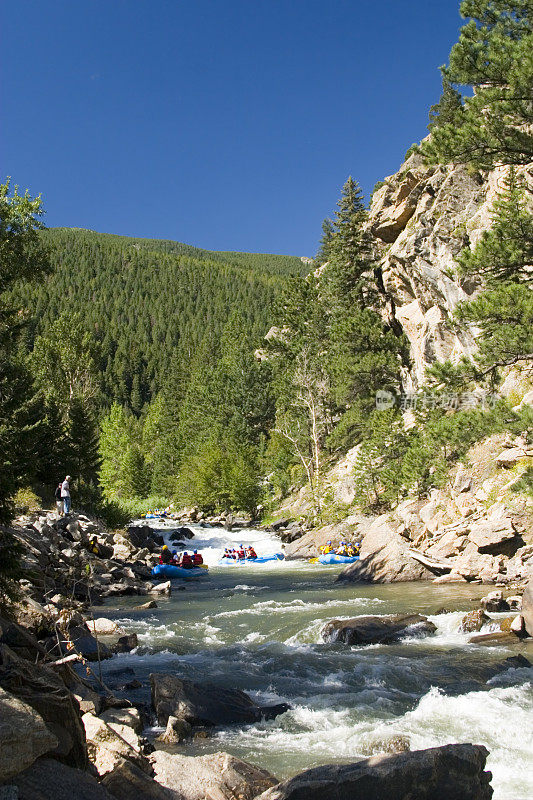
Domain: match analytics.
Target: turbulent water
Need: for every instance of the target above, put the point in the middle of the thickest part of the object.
(258, 629)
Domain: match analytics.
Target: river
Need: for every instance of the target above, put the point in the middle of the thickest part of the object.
(258, 629)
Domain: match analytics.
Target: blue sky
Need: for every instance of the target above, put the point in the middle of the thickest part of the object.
(227, 124)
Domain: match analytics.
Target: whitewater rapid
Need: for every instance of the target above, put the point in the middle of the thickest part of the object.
(258, 629)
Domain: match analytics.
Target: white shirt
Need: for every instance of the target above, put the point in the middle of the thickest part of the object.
(65, 489)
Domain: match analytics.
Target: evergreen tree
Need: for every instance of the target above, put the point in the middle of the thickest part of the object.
(350, 250)
(449, 109)
(82, 438)
(324, 249)
(504, 253)
(21, 256)
(494, 57)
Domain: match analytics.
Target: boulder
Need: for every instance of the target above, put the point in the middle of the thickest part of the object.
(514, 602)
(161, 588)
(47, 778)
(218, 776)
(18, 640)
(473, 621)
(39, 687)
(125, 644)
(103, 626)
(452, 772)
(495, 536)
(85, 643)
(23, 736)
(146, 606)
(510, 457)
(128, 782)
(494, 602)
(384, 558)
(123, 716)
(377, 630)
(495, 639)
(108, 743)
(527, 607)
(205, 704)
(177, 730)
(144, 536)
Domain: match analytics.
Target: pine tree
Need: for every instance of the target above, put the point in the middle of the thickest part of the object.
(21, 256)
(350, 250)
(504, 253)
(494, 56)
(324, 249)
(82, 438)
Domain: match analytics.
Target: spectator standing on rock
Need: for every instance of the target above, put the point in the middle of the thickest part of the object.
(65, 494)
(59, 501)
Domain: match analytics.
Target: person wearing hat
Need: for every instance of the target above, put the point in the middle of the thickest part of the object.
(197, 559)
(166, 555)
(65, 494)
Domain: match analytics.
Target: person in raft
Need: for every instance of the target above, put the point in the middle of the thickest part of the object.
(250, 553)
(165, 556)
(186, 561)
(59, 501)
(326, 548)
(65, 494)
(197, 559)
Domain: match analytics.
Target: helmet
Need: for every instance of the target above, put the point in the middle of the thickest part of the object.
(165, 547)
(174, 552)
(329, 541)
(196, 551)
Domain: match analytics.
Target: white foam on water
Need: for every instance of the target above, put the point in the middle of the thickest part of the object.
(500, 719)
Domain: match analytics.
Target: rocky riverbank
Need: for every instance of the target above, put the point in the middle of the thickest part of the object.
(476, 528)
(64, 732)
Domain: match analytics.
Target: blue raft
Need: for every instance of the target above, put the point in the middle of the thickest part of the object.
(171, 571)
(231, 562)
(333, 558)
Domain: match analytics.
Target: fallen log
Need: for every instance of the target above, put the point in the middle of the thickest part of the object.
(430, 563)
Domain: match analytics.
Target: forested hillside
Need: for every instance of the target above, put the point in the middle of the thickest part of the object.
(150, 303)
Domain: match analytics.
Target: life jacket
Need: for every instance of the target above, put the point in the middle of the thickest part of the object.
(251, 553)
(240, 554)
(197, 559)
(186, 561)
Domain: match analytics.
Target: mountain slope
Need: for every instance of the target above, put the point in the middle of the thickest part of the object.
(150, 302)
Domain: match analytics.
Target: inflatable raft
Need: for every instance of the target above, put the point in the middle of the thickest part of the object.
(171, 571)
(333, 558)
(232, 562)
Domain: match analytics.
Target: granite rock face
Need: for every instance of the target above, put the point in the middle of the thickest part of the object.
(421, 218)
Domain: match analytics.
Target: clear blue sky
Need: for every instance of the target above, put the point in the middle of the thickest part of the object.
(227, 124)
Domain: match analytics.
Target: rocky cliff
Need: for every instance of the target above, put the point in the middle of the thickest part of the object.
(421, 218)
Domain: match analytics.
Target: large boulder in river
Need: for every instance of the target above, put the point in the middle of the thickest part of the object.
(23, 736)
(453, 772)
(527, 607)
(217, 776)
(205, 703)
(377, 630)
(384, 558)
